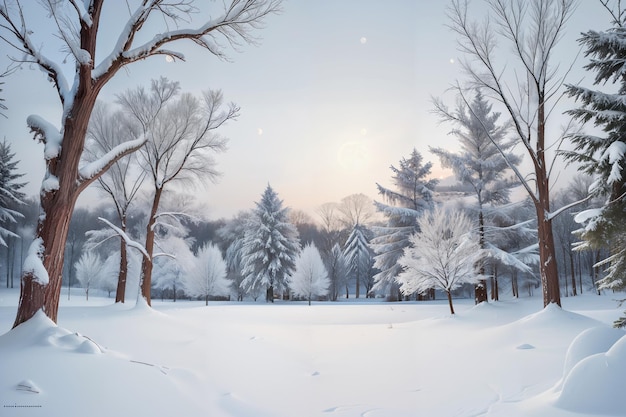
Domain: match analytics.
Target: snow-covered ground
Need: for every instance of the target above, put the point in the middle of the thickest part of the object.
(344, 359)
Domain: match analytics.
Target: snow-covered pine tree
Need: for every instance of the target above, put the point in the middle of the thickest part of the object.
(310, 277)
(605, 156)
(358, 256)
(402, 207)
(442, 254)
(270, 246)
(10, 194)
(206, 276)
(481, 163)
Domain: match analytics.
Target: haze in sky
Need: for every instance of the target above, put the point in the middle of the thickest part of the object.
(334, 93)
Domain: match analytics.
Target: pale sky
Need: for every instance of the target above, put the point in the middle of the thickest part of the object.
(335, 93)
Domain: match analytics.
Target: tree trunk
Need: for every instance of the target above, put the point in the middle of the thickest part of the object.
(269, 294)
(146, 264)
(547, 256)
(120, 294)
(480, 290)
(573, 273)
(450, 302)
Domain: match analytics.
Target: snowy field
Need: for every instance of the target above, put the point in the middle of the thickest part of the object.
(344, 359)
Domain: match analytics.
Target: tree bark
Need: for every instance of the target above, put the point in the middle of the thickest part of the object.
(120, 294)
(449, 294)
(146, 264)
(480, 290)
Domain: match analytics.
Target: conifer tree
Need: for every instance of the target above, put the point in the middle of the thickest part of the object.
(270, 246)
(10, 193)
(402, 206)
(481, 163)
(605, 156)
(358, 255)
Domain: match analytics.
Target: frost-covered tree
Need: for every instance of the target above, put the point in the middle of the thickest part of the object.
(605, 156)
(358, 256)
(206, 276)
(270, 246)
(481, 163)
(80, 28)
(10, 194)
(527, 84)
(181, 131)
(88, 271)
(121, 183)
(310, 277)
(338, 271)
(402, 207)
(443, 254)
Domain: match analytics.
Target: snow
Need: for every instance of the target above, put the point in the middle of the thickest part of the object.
(344, 359)
(96, 167)
(49, 134)
(34, 262)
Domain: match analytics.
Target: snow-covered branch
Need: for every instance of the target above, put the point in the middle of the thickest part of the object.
(129, 242)
(46, 133)
(92, 170)
(234, 25)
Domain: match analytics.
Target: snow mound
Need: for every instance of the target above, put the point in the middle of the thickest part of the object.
(589, 342)
(595, 383)
(554, 316)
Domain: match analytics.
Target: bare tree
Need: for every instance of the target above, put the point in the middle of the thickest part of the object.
(123, 180)
(533, 29)
(80, 30)
(355, 209)
(182, 136)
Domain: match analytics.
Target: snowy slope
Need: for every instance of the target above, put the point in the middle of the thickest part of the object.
(340, 359)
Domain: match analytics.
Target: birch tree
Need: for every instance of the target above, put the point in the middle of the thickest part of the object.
(151, 29)
(528, 88)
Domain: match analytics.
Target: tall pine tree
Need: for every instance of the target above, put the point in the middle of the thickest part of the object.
(357, 253)
(481, 163)
(270, 246)
(605, 156)
(402, 207)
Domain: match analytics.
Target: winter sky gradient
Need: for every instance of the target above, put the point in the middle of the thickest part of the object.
(335, 92)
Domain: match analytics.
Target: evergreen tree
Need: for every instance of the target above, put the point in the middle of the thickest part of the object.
(403, 206)
(310, 277)
(481, 163)
(270, 246)
(605, 156)
(10, 193)
(358, 256)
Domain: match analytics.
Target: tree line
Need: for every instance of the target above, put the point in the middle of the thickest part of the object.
(165, 136)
